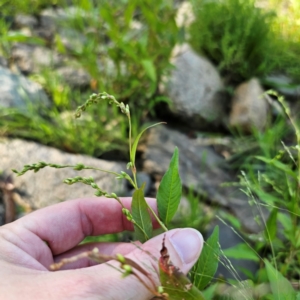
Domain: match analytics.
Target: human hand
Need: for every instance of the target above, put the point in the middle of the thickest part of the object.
(31, 244)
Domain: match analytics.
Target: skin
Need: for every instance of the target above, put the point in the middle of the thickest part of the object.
(31, 244)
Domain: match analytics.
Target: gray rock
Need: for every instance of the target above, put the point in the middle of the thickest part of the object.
(201, 168)
(3, 62)
(249, 107)
(49, 18)
(194, 89)
(75, 77)
(17, 91)
(31, 58)
(46, 187)
(22, 20)
(72, 39)
(50, 21)
(52, 17)
(44, 33)
(284, 85)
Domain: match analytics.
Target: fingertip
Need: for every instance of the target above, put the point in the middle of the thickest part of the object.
(188, 244)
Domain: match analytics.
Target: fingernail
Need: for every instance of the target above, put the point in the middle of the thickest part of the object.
(188, 243)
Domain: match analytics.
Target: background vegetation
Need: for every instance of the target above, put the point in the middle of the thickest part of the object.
(243, 38)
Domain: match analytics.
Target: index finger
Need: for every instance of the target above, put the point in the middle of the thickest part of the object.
(66, 224)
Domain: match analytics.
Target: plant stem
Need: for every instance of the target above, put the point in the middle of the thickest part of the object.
(105, 171)
(157, 218)
(109, 172)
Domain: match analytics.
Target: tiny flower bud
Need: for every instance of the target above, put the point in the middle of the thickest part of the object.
(120, 258)
(127, 269)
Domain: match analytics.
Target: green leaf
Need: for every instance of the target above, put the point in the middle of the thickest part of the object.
(169, 191)
(286, 221)
(141, 216)
(136, 141)
(149, 69)
(279, 165)
(207, 264)
(210, 291)
(271, 228)
(280, 286)
(241, 251)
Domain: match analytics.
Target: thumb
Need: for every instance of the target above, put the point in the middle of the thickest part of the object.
(184, 247)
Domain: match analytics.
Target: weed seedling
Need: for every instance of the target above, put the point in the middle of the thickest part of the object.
(174, 285)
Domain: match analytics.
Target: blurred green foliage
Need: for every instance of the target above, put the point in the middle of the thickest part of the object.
(242, 39)
(124, 46)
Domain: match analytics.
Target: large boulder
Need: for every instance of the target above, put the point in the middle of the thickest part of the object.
(194, 88)
(46, 187)
(250, 107)
(17, 91)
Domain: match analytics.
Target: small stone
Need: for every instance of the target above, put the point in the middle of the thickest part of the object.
(249, 107)
(194, 89)
(3, 62)
(22, 20)
(72, 39)
(75, 77)
(31, 58)
(17, 91)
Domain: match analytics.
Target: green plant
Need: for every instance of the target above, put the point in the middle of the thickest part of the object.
(53, 127)
(125, 49)
(245, 40)
(235, 35)
(174, 284)
(127, 45)
(271, 181)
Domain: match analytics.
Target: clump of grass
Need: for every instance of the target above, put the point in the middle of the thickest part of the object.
(271, 181)
(126, 50)
(235, 35)
(243, 40)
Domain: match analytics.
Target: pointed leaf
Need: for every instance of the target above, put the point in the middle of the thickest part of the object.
(207, 264)
(279, 165)
(169, 191)
(176, 286)
(271, 228)
(280, 286)
(140, 214)
(241, 251)
(149, 69)
(136, 141)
